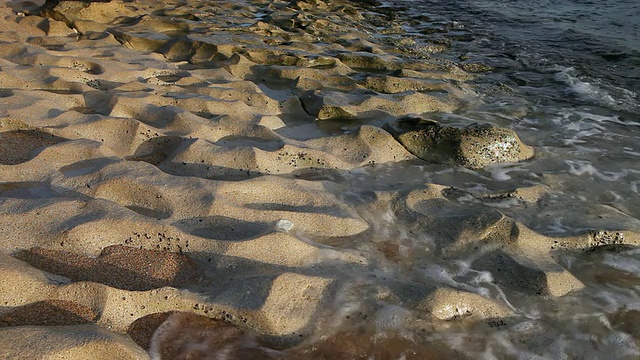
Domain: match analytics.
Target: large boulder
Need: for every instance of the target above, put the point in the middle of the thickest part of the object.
(474, 146)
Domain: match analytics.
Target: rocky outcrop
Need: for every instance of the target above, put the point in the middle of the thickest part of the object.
(474, 146)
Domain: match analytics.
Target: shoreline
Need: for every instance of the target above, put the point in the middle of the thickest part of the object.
(183, 172)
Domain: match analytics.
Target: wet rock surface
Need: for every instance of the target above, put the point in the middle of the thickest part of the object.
(473, 146)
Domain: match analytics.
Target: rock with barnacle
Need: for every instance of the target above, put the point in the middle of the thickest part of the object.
(474, 146)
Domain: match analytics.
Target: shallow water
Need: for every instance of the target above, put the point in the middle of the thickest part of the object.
(566, 78)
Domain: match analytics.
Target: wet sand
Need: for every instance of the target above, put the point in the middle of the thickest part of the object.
(172, 185)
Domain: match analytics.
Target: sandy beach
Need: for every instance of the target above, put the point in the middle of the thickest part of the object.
(175, 183)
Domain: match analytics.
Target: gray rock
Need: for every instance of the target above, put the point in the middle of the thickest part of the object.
(474, 146)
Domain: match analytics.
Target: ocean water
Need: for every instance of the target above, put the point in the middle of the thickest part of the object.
(565, 75)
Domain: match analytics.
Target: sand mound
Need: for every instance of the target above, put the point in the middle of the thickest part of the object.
(184, 172)
(49, 312)
(20, 146)
(66, 342)
(119, 266)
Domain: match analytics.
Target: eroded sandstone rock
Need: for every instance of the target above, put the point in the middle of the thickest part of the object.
(474, 146)
(97, 12)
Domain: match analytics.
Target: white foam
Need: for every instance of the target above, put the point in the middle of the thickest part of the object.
(557, 226)
(603, 119)
(526, 327)
(580, 167)
(583, 90)
(499, 172)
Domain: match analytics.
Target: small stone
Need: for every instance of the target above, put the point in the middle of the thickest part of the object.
(284, 225)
